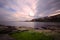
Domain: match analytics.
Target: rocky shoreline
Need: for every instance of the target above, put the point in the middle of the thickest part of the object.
(6, 30)
(9, 29)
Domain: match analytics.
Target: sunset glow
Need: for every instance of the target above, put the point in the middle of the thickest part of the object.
(18, 10)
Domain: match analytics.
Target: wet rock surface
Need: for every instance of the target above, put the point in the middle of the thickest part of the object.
(5, 37)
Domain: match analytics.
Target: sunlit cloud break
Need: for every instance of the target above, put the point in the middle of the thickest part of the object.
(17, 9)
(21, 10)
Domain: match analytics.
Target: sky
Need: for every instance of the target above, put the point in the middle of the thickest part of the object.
(21, 10)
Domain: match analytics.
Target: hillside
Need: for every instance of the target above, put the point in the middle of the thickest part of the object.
(55, 18)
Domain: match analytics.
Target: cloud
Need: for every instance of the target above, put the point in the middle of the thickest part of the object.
(55, 13)
(16, 10)
(47, 7)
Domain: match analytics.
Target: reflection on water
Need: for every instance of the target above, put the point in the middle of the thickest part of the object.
(30, 24)
(45, 24)
(27, 24)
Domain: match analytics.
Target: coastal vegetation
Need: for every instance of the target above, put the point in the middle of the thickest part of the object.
(31, 36)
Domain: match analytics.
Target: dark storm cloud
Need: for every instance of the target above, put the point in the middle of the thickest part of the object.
(46, 7)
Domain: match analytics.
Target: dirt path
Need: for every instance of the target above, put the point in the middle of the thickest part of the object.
(5, 37)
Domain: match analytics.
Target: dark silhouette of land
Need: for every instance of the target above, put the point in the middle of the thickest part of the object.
(55, 18)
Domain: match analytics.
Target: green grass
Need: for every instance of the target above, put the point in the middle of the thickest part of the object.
(31, 36)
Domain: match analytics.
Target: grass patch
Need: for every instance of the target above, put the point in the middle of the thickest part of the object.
(31, 36)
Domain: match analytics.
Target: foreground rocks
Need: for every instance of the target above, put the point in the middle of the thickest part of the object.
(5, 37)
(6, 29)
